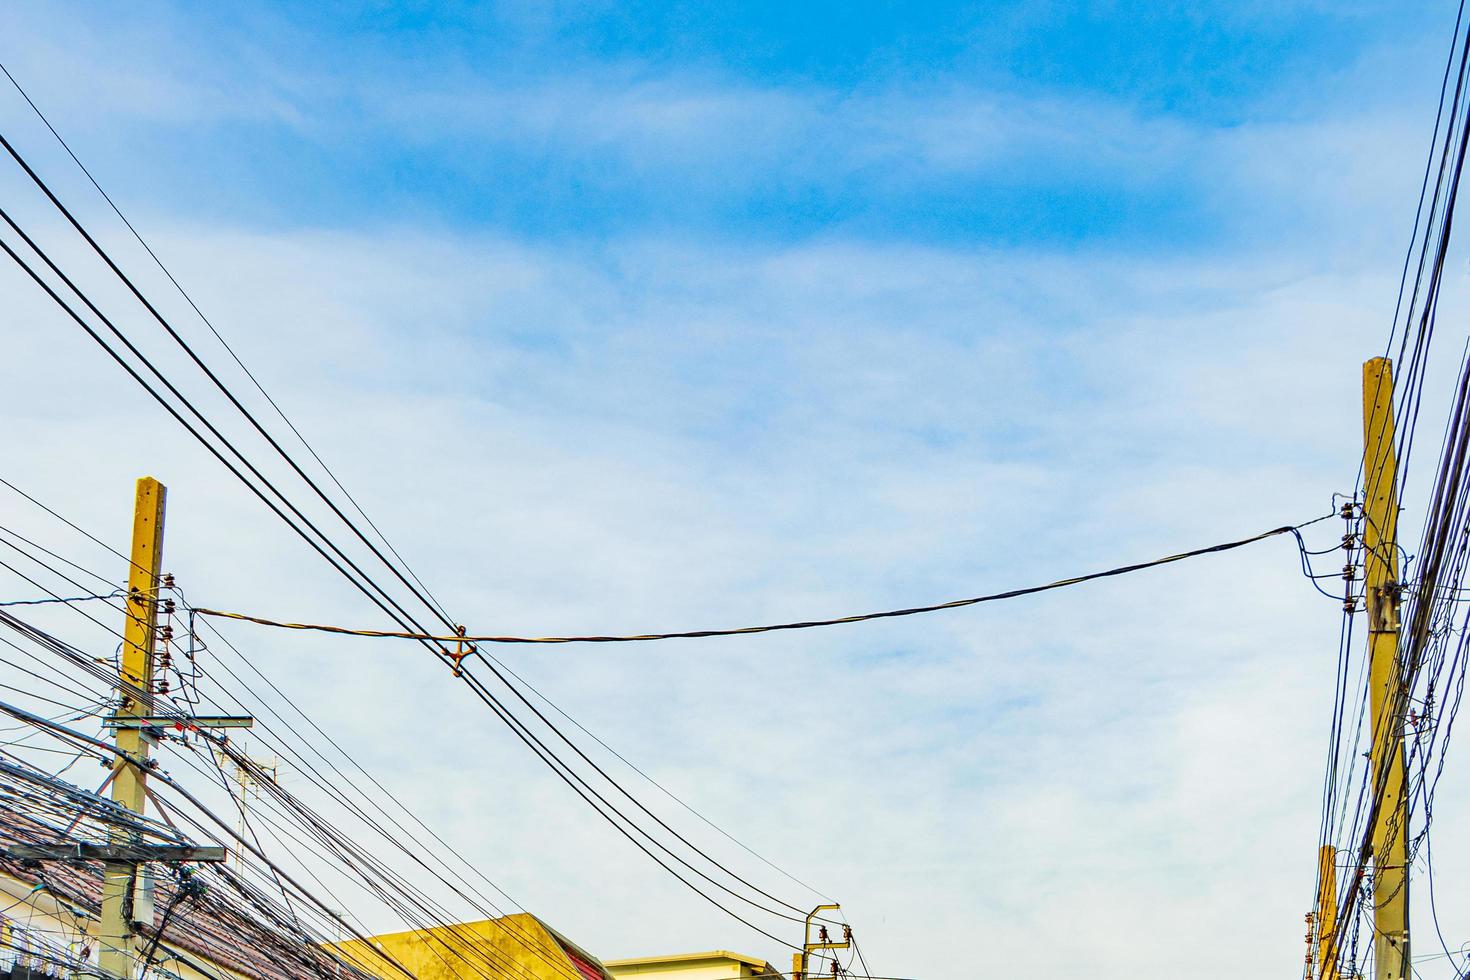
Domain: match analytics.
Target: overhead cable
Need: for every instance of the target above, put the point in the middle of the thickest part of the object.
(1214, 549)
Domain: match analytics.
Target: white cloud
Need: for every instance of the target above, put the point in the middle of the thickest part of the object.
(653, 432)
(760, 434)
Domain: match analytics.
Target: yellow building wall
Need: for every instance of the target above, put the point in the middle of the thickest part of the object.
(717, 965)
(514, 946)
(702, 970)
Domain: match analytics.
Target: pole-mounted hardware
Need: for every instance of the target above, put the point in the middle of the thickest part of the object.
(462, 648)
(800, 961)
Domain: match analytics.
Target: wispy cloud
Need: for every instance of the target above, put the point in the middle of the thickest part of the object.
(700, 460)
(684, 423)
(622, 144)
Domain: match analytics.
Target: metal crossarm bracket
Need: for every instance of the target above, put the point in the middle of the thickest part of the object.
(195, 721)
(168, 853)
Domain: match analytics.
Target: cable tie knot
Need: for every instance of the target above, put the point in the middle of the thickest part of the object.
(461, 650)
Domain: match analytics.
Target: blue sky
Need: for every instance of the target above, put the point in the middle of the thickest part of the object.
(627, 316)
(963, 124)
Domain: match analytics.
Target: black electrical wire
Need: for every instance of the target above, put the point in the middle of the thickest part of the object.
(224, 389)
(483, 693)
(256, 424)
(390, 837)
(222, 825)
(534, 949)
(212, 329)
(1293, 529)
(1436, 220)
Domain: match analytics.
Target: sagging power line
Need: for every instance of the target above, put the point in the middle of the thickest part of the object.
(243, 468)
(461, 637)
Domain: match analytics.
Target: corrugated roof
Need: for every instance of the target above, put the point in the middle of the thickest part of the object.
(206, 927)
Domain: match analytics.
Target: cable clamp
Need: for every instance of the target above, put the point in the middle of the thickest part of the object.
(1383, 608)
(461, 650)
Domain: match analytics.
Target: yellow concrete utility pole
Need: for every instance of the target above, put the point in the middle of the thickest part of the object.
(1386, 696)
(135, 693)
(1326, 920)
